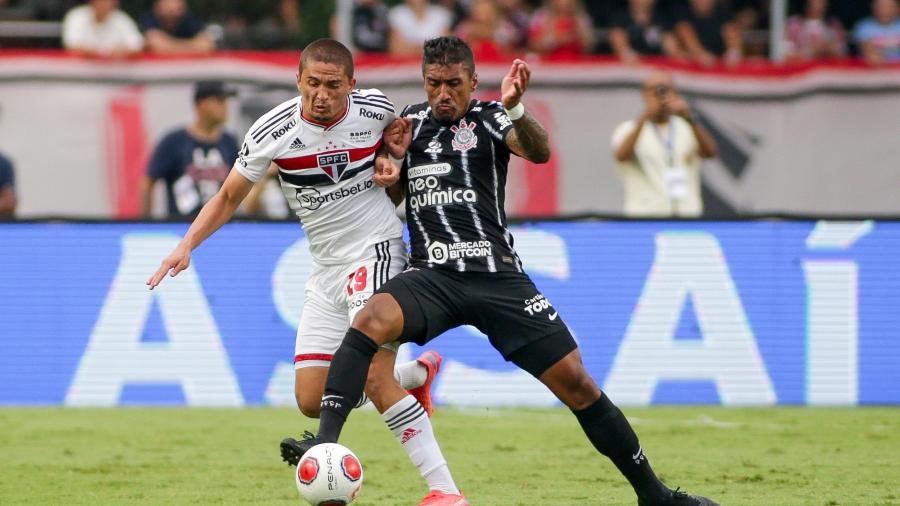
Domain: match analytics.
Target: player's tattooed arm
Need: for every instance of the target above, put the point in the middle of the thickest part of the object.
(529, 139)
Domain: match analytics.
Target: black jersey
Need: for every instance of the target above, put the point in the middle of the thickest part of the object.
(455, 179)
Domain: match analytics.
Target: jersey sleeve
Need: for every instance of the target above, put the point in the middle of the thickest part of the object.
(373, 97)
(497, 122)
(260, 148)
(253, 159)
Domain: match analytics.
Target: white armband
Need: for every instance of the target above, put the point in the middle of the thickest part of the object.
(516, 112)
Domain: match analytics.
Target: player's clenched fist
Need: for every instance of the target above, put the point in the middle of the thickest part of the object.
(386, 172)
(178, 260)
(397, 137)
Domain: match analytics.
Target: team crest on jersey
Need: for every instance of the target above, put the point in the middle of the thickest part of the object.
(464, 137)
(334, 164)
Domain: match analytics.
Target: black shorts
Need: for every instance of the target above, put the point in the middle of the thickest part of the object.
(505, 306)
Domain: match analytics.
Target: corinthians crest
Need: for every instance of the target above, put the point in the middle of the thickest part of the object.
(464, 137)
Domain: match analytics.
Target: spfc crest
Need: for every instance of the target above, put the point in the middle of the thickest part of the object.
(334, 164)
(464, 137)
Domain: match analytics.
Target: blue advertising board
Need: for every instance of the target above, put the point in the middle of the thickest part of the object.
(733, 313)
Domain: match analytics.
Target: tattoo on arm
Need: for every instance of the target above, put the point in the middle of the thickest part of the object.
(529, 140)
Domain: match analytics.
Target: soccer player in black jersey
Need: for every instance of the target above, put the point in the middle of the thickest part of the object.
(464, 270)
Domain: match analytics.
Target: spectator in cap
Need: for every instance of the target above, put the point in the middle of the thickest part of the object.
(193, 161)
(169, 28)
(99, 29)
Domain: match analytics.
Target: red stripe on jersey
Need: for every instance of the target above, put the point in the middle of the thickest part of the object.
(312, 356)
(307, 162)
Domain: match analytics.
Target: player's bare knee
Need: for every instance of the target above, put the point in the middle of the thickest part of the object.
(583, 389)
(571, 383)
(309, 404)
(367, 323)
(381, 319)
(310, 409)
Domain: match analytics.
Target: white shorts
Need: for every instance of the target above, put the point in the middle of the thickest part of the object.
(335, 293)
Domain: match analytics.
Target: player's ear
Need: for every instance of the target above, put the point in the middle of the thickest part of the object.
(474, 81)
(298, 80)
(352, 83)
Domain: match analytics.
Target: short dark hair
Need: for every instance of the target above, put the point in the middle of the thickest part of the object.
(328, 51)
(448, 51)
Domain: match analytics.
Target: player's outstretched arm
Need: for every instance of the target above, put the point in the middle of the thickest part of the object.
(215, 213)
(528, 137)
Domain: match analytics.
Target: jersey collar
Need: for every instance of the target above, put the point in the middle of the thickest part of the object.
(324, 126)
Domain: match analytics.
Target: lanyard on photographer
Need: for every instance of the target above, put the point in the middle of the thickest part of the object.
(668, 143)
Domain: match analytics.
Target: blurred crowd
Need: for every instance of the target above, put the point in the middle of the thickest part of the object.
(705, 32)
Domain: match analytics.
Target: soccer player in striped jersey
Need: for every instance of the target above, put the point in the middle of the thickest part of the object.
(324, 145)
(465, 270)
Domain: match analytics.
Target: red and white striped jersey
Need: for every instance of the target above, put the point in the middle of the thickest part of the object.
(326, 173)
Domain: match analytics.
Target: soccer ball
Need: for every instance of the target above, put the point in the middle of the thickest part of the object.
(329, 475)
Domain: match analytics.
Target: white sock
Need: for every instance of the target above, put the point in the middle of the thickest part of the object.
(411, 374)
(411, 426)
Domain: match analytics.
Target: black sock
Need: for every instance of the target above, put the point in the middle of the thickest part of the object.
(611, 434)
(345, 384)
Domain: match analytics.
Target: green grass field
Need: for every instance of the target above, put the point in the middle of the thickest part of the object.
(499, 457)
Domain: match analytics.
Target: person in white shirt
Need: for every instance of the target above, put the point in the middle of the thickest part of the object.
(100, 29)
(414, 22)
(324, 145)
(658, 155)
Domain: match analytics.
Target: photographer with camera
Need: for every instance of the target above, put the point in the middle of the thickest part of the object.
(658, 155)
